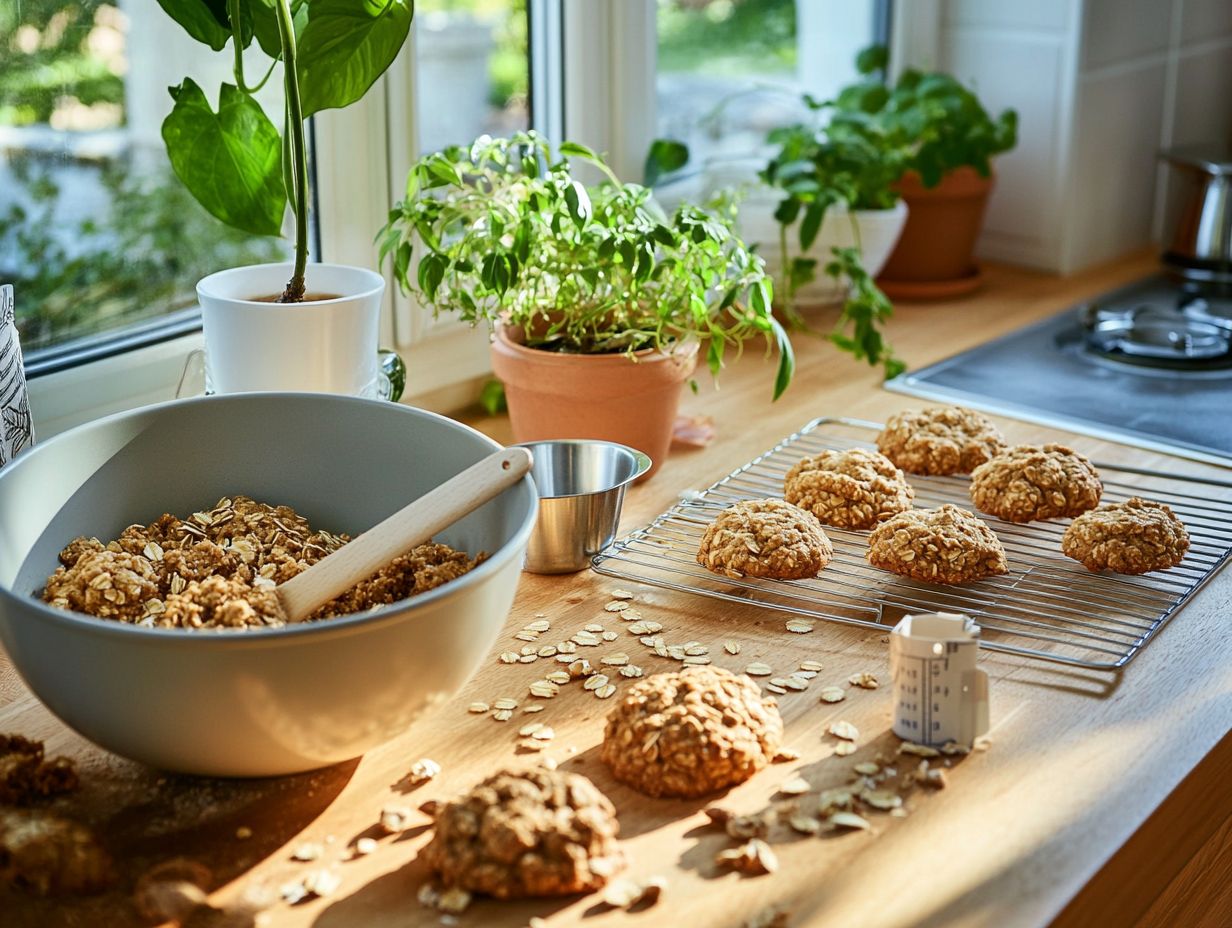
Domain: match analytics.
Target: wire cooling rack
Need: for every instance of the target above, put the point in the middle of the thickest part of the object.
(1048, 606)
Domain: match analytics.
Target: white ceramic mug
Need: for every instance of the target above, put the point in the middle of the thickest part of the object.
(324, 346)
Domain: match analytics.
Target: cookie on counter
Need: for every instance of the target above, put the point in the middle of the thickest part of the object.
(1028, 483)
(853, 489)
(767, 538)
(534, 832)
(691, 732)
(940, 440)
(947, 545)
(1133, 537)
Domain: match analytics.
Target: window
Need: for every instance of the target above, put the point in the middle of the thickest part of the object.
(97, 235)
(729, 71)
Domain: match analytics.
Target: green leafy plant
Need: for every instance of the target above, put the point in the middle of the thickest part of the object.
(507, 233)
(940, 122)
(233, 159)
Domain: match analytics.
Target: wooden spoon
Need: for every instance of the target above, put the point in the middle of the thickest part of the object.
(412, 525)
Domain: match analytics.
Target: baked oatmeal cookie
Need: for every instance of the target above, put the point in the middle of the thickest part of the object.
(1028, 482)
(940, 440)
(536, 832)
(768, 538)
(946, 545)
(1133, 537)
(691, 732)
(51, 856)
(852, 489)
(27, 776)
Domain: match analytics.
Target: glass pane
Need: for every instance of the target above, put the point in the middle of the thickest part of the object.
(96, 232)
(472, 70)
(732, 70)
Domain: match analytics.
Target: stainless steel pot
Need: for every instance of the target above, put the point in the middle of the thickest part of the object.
(1201, 247)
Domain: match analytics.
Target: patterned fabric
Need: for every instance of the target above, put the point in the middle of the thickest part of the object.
(16, 425)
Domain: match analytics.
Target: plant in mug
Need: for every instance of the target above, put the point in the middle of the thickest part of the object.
(233, 159)
(599, 300)
(510, 235)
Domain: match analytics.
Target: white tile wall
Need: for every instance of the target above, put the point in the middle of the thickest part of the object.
(1204, 20)
(1116, 31)
(1113, 172)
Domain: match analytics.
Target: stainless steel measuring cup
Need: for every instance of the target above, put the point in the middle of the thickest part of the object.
(581, 487)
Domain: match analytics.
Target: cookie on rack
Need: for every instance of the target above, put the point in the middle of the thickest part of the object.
(940, 440)
(1133, 537)
(690, 733)
(948, 545)
(1027, 483)
(533, 832)
(767, 538)
(853, 489)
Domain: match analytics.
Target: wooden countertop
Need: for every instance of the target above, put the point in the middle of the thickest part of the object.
(1102, 798)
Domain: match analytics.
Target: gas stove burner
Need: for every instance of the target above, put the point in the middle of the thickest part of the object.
(1189, 337)
(1200, 309)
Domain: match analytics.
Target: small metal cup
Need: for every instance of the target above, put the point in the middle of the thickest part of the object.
(581, 487)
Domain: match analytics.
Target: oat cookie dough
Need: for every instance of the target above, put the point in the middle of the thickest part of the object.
(767, 538)
(1028, 482)
(536, 832)
(1133, 537)
(940, 440)
(691, 732)
(852, 489)
(217, 568)
(947, 545)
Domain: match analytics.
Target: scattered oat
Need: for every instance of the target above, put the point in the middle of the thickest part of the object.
(594, 628)
(505, 702)
(796, 786)
(731, 647)
(812, 666)
(423, 770)
(580, 668)
(799, 626)
(543, 733)
(307, 851)
(243, 833)
(527, 636)
(619, 659)
(631, 670)
(539, 625)
(548, 650)
(759, 669)
(631, 615)
(833, 694)
(321, 882)
(502, 715)
(604, 692)
(478, 708)
(645, 628)
(843, 748)
(919, 750)
(932, 777)
(529, 729)
(754, 857)
(797, 683)
(566, 647)
(534, 707)
(509, 657)
(528, 658)
(621, 594)
(393, 819)
(867, 768)
(559, 677)
(864, 680)
(785, 755)
(586, 639)
(849, 820)
(951, 748)
(776, 689)
(696, 660)
(624, 893)
(881, 799)
(365, 846)
(453, 901)
(595, 681)
(805, 824)
(544, 689)
(609, 636)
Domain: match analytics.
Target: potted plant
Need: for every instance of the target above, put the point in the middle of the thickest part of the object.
(600, 302)
(244, 171)
(948, 178)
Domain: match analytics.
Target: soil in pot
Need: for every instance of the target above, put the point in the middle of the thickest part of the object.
(942, 226)
(308, 298)
(610, 397)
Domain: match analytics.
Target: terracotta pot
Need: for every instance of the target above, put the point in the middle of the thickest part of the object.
(611, 397)
(942, 226)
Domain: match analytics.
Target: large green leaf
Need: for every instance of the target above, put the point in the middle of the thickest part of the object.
(662, 158)
(205, 20)
(346, 46)
(265, 23)
(229, 160)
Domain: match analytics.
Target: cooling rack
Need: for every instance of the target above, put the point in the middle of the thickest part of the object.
(1047, 607)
